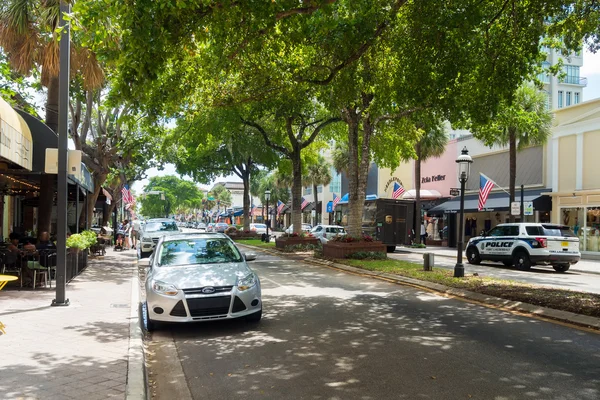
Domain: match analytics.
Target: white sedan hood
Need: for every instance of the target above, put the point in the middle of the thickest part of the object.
(196, 276)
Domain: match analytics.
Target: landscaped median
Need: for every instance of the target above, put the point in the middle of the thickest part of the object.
(257, 243)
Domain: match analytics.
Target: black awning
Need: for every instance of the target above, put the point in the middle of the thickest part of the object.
(43, 138)
(495, 202)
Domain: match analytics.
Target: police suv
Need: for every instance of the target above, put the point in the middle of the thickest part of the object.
(526, 244)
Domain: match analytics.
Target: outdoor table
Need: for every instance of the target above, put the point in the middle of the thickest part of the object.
(6, 278)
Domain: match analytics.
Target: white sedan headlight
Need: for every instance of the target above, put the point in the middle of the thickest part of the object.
(246, 283)
(164, 288)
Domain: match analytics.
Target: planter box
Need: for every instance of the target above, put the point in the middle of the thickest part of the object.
(342, 250)
(282, 242)
(242, 236)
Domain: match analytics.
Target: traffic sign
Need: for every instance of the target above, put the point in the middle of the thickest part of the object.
(528, 207)
(515, 208)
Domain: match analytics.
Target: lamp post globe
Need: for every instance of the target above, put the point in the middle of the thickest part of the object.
(267, 198)
(464, 162)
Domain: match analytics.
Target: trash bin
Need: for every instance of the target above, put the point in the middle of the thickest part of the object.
(428, 261)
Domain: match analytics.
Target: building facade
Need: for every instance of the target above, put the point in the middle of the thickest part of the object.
(575, 181)
(563, 91)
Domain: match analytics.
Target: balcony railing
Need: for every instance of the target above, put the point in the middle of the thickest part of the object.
(574, 80)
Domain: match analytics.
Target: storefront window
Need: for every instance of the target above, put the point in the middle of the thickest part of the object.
(592, 229)
(574, 219)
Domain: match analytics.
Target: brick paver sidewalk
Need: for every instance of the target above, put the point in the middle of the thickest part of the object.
(74, 352)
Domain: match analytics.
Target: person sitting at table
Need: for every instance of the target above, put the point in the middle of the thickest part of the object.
(45, 247)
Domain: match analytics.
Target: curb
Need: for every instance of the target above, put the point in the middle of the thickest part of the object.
(491, 301)
(406, 251)
(136, 361)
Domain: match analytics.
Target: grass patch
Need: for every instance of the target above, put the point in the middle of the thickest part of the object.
(558, 299)
(257, 243)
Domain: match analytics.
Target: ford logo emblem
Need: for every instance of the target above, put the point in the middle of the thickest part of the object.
(208, 290)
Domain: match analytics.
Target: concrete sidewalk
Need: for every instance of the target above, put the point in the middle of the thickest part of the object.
(584, 265)
(82, 351)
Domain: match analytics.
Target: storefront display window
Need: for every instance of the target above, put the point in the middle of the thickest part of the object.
(585, 223)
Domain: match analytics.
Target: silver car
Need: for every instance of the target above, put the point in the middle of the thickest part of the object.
(199, 277)
(154, 229)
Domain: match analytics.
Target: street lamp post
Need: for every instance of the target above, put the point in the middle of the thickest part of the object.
(464, 162)
(267, 198)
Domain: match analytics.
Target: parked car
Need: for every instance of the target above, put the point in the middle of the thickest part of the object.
(200, 277)
(220, 227)
(258, 228)
(305, 228)
(526, 244)
(201, 226)
(210, 227)
(327, 232)
(154, 229)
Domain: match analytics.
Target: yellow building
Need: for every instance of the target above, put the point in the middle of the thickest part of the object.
(574, 169)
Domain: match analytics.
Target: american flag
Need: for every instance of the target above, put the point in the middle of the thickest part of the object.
(485, 187)
(336, 200)
(304, 203)
(127, 196)
(398, 190)
(280, 205)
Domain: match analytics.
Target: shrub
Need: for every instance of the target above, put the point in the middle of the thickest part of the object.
(303, 247)
(418, 246)
(351, 239)
(230, 230)
(367, 255)
(82, 241)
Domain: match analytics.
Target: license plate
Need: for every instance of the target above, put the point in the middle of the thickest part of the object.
(565, 244)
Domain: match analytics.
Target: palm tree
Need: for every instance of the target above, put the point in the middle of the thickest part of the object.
(523, 123)
(339, 156)
(432, 143)
(28, 36)
(318, 173)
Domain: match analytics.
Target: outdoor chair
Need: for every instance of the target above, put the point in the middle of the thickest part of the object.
(31, 261)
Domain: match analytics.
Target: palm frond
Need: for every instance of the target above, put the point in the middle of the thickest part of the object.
(50, 58)
(91, 71)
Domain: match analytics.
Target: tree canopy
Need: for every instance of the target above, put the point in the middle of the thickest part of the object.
(178, 194)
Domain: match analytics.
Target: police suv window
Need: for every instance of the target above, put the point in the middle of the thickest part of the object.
(557, 230)
(534, 230)
(511, 230)
(497, 231)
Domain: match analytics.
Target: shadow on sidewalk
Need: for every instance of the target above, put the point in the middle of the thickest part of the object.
(63, 377)
(103, 332)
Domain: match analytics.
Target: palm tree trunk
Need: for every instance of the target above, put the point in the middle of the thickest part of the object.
(47, 182)
(316, 199)
(418, 197)
(355, 204)
(246, 181)
(296, 189)
(512, 148)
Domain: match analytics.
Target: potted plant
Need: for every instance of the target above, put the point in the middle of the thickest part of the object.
(294, 239)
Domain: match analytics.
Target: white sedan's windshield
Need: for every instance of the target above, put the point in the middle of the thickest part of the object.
(160, 226)
(198, 251)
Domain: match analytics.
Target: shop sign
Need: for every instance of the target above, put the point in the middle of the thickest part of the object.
(515, 208)
(528, 207)
(454, 192)
(330, 206)
(433, 178)
(390, 181)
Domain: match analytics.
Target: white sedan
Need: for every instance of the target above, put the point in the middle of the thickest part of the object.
(258, 228)
(326, 232)
(305, 228)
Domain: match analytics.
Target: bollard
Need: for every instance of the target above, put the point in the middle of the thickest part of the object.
(428, 261)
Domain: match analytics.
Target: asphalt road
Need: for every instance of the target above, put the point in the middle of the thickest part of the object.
(539, 275)
(331, 335)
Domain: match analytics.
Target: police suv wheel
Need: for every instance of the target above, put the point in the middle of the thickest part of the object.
(521, 261)
(473, 256)
(561, 267)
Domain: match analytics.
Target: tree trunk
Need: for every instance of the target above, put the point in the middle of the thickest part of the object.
(512, 148)
(246, 181)
(91, 199)
(418, 197)
(316, 199)
(296, 189)
(355, 203)
(47, 182)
